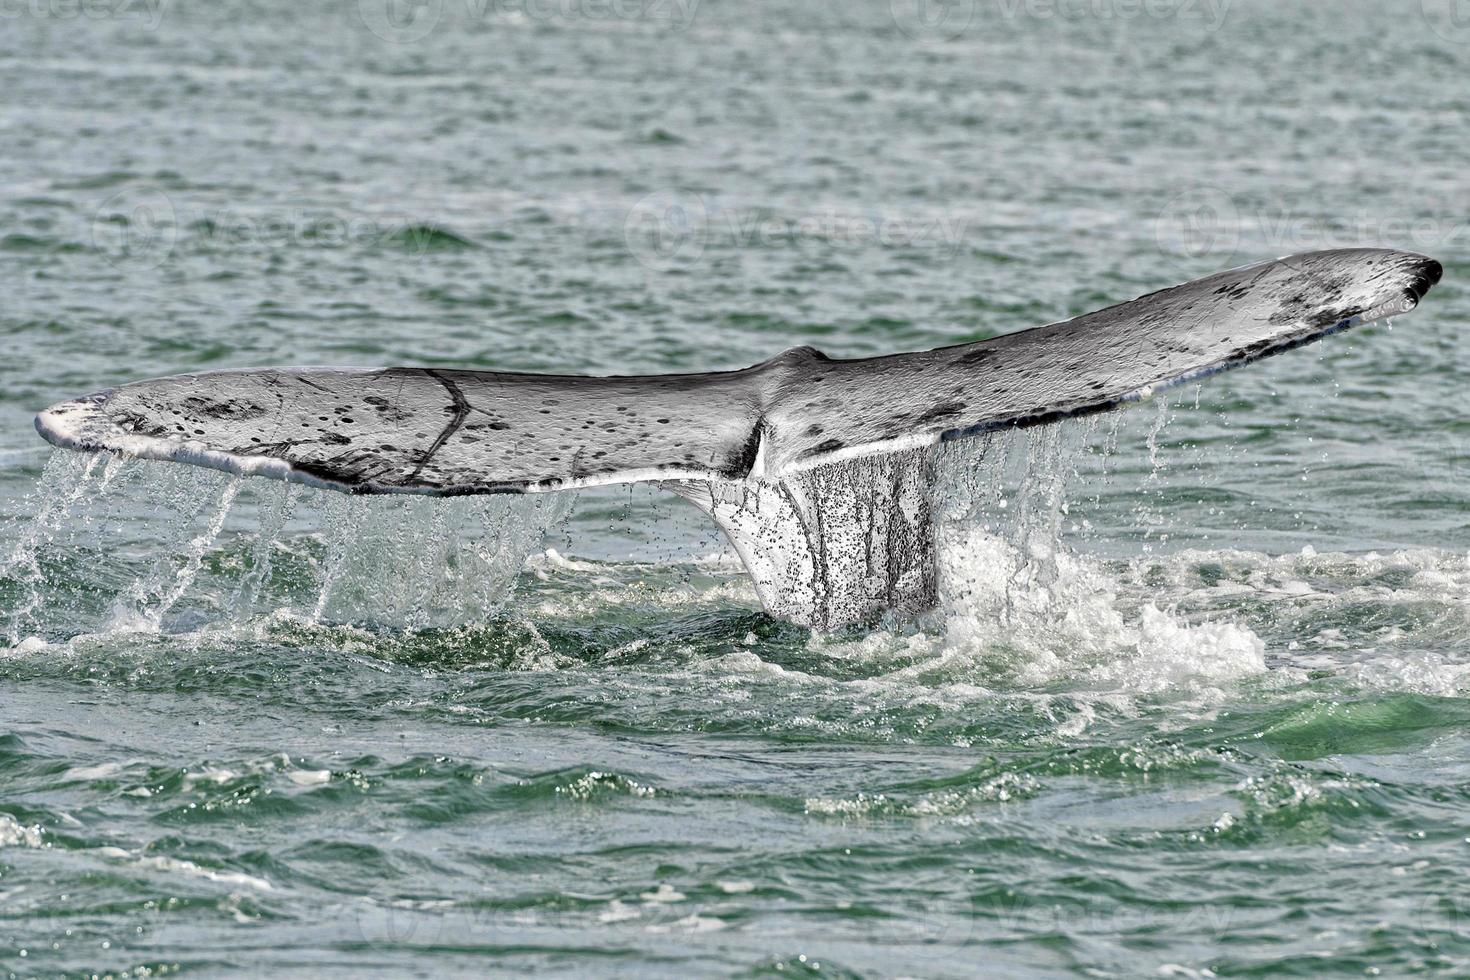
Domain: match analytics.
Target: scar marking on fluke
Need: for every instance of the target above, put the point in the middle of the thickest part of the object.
(461, 411)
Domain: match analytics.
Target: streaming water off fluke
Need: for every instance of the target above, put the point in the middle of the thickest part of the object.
(236, 550)
(1017, 604)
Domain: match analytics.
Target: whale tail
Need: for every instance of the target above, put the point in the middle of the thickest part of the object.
(815, 467)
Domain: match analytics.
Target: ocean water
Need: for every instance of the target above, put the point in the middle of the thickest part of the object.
(1195, 701)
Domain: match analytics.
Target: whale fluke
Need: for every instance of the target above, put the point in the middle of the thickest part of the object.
(452, 432)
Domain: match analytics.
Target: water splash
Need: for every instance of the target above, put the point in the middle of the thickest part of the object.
(280, 501)
(1011, 486)
(1005, 620)
(421, 562)
(189, 497)
(147, 547)
(344, 519)
(194, 556)
(1019, 607)
(65, 481)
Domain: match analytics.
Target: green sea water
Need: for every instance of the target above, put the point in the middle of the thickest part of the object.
(1194, 704)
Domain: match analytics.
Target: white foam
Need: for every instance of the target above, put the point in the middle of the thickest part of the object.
(1006, 621)
(102, 770)
(664, 894)
(171, 865)
(691, 923)
(15, 834)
